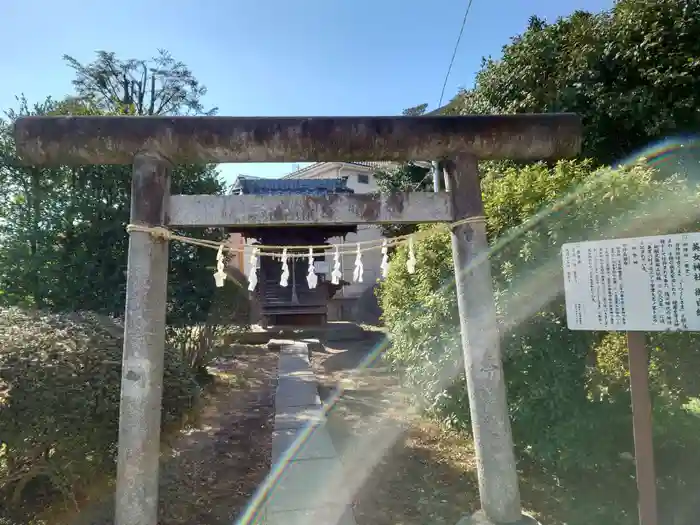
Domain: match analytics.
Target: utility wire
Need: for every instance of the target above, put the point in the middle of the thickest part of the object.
(447, 76)
(454, 53)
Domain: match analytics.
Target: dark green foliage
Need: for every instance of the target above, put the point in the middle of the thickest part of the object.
(63, 239)
(632, 73)
(406, 177)
(564, 387)
(63, 249)
(415, 111)
(199, 342)
(59, 399)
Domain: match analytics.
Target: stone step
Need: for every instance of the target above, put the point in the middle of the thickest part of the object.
(330, 332)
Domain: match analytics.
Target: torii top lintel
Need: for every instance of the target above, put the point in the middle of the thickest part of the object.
(182, 140)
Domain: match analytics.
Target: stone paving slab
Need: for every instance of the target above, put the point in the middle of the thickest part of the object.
(313, 344)
(323, 516)
(316, 444)
(299, 417)
(293, 363)
(296, 391)
(311, 488)
(332, 331)
(296, 348)
(308, 484)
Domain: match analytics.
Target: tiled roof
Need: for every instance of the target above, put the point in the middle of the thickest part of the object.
(300, 173)
(376, 165)
(245, 186)
(242, 176)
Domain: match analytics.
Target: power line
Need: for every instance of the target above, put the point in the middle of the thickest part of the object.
(454, 53)
(447, 76)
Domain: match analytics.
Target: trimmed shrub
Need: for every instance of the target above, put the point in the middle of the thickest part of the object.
(59, 401)
(564, 387)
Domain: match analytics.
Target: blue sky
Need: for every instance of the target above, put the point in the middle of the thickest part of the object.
(272, 57)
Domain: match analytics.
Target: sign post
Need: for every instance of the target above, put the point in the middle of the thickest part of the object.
(642, 427)
(636, 285)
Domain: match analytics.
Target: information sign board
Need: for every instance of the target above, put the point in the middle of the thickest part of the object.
(637, 284)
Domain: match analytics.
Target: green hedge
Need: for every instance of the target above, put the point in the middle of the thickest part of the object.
(59, 401)
(565, 389)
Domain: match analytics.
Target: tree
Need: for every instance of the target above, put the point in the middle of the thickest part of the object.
(406, 177)
(415, 111)
(32, 204)
(553, 380)
(63, 244)
(63, 250)
(633, 73)
(157, 86)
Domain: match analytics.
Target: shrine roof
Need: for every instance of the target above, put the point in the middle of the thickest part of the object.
(256, 186)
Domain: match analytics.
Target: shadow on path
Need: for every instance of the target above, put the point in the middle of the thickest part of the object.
(404, 478)
(411, 472)
(209, 473)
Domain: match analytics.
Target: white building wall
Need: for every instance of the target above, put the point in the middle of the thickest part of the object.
(365, 232)
(371, 260)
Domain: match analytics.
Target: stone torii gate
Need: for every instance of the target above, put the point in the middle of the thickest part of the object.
(152, 145)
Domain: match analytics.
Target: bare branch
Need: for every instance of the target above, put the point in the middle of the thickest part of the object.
(124, 86)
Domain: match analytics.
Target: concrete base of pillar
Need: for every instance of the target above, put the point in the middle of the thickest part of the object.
(479, 518)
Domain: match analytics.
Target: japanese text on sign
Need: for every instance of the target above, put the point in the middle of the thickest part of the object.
(639, 284)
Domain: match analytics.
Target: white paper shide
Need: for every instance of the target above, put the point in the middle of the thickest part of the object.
(637, 284)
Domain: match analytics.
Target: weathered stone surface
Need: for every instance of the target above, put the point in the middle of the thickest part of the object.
(308, 210)
(296, 391)
(314, 345)
(296, 348)
(293, 364)
(316, 444)
(312, 486)
(272, 344)
(299, 417)
(330, 515)
(198, 140)
(144, 335)
(309, 483)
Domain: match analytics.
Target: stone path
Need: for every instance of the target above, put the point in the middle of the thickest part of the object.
(311, 485)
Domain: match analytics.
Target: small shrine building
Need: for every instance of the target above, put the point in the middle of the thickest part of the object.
(295, 304)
